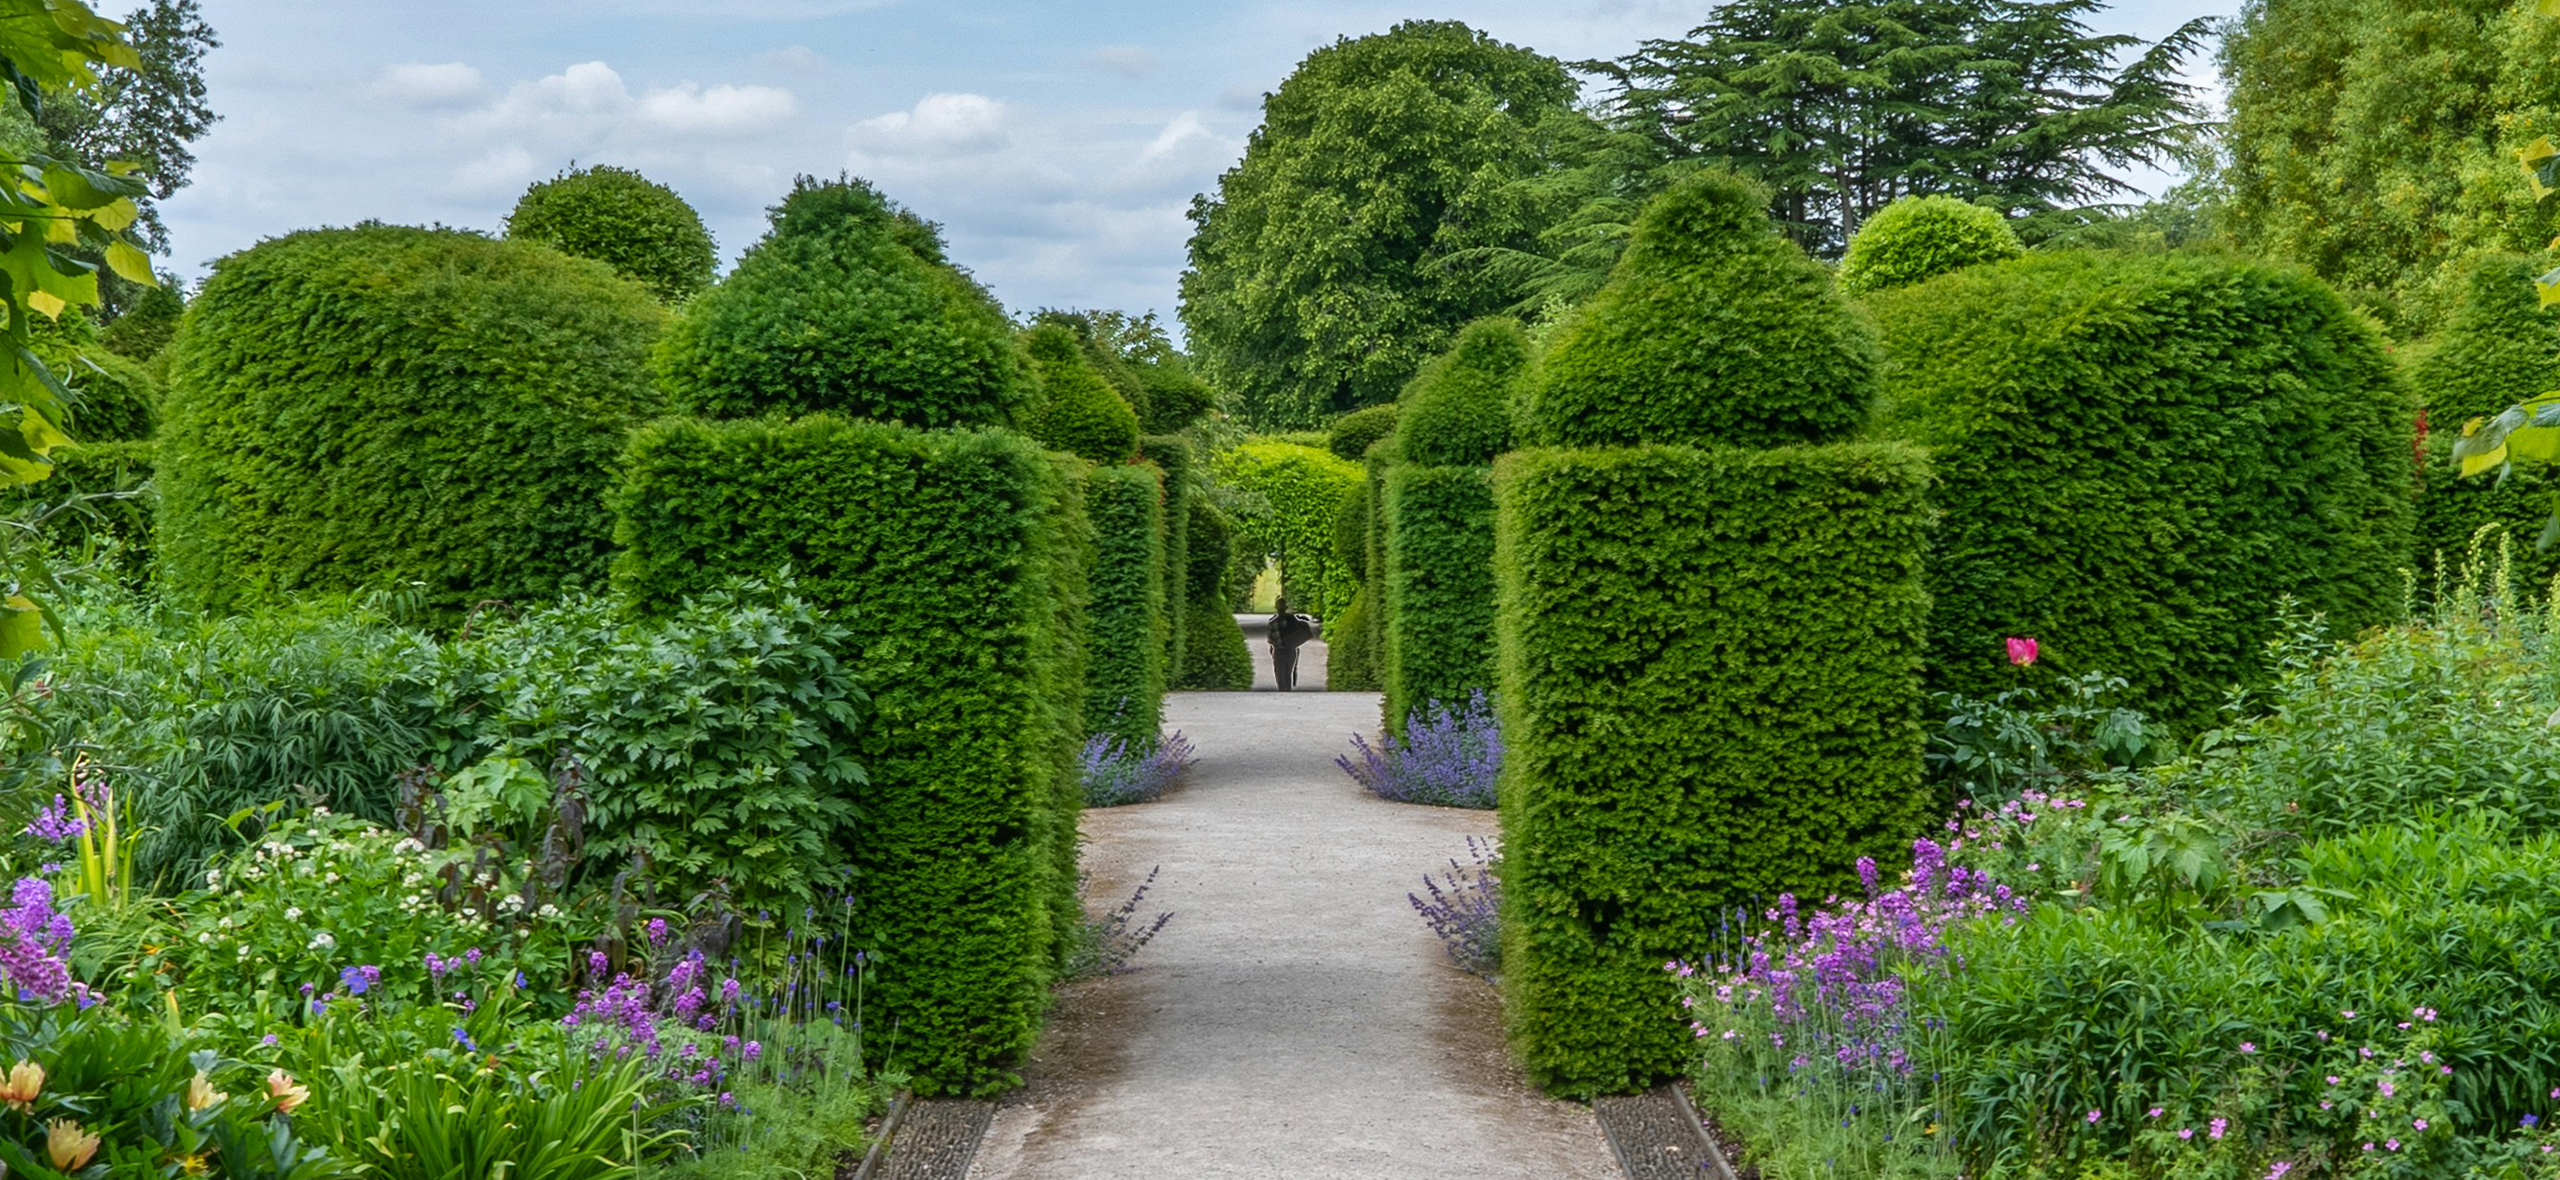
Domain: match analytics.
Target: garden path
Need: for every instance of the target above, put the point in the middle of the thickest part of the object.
(1295, 1019)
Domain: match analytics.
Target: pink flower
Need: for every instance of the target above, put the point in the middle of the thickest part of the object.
(2248, 1047)
(2219, 1126)
(2093, 1118)
(2281, 1167)
(2022, 651)
(2420, 1124)
(2392, 1144)
(2186, 1132)
(2155, 1113)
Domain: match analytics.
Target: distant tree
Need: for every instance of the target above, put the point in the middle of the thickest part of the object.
(1321, 270)
(1138, 358)
(1843, 106)
(147, 114)
(2374, 141)
(627, 221)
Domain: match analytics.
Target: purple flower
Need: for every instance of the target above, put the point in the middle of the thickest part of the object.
(56, 824)
(2093, 1118)
(1449, 757)
(2219, 1126)
(359, 980)
(657, 932)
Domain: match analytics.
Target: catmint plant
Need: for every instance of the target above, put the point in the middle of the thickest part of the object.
(1448, 756)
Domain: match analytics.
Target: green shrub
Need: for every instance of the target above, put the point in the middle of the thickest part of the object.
(1921, 237)
(1350, 435)
(2136, 457)
(1707, 697)
(1124, 636)
(1457, 412)
(1176, 398)
(99, 502)
(635, 225)
(1351, 659)
(961, 557)
(368, 407)
(849, 305)
(1297, 492)
(146, 327)
(2500, 348)
(718, 742)
(1713, 330)
(113, 399)
(1076, 411)
(1439, 539)
(1214, 657)
(1172, 454)
(1373, 538)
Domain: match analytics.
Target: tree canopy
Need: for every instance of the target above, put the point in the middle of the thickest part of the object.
(1843, 106)
(2374, 141)
(1322, 270)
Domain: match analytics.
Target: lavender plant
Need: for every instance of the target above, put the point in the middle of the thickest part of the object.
(1466, 911)
(1115, 774)
(1448, 757)
(1105, 945)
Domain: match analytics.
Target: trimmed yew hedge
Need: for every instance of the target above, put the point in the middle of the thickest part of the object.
(1214, 657)
(2501, 347)
(1126, 624)
(2137, 457)
(1708, 696)
(1439, 540)
(960, 560)
(1172, 454)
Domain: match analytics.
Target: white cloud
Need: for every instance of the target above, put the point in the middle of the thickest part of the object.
(1185, 128)
(1130, 61)
(425, 84)
(938, 125)
(692, 108)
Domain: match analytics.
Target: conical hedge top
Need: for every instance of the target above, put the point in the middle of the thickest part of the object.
(2500, 348)
(1713, 331)
(1077, 412)
(846, 305)
(1457, 412)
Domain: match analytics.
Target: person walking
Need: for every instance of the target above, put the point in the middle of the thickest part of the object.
(1289, 630)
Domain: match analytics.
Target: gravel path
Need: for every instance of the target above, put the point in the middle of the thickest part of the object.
(1296, 1019)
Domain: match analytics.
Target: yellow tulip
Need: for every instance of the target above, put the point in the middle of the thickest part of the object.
(201, 1094)
(281, 1087)
(68, 1145)
(25, 1081)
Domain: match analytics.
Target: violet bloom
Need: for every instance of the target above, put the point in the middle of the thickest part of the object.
(56, 824)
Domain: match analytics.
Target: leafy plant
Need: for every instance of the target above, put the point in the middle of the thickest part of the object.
(640, 228)
(1990, 751)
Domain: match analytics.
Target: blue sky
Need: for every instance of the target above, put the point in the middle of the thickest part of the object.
(1058, 144)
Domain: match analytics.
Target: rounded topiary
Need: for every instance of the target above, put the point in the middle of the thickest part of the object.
(2500, 347)
(847, 305)
(1713, 330)
(1351, 434)
(635, 225)
(1176, 398)
(1077, 411)
(1457, 412)
(383, 405)
(1919, 238)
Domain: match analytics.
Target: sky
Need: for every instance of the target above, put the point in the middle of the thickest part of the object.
(1059, 145)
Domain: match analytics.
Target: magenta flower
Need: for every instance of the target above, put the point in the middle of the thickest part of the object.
(2219, 1126)
(2022, 650)
(2093, 1118)
(2281, 1167)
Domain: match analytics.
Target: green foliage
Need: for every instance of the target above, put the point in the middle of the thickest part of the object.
(718, 741)
(2499, 348)
(635, 225)
(126, 1083)
(1077, 411)
(2136, 456)
(848, 304)
(1214, 657)
(1439, 576)
(146, 328)
(2373, 141)
(1174, 455)
(98, 506)
(1125, 627)
(1713, 330)
(1351, 655)
(963, 556)
(1708, 697)
(1840, 106)
(361, 408)
(1920, 238)
(1457, 412)
(113, 399)
(1297, 493)
(1321, 271)
(1351, 434)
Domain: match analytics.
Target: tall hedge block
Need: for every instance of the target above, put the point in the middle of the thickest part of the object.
(1708, 697)
(2137, 457)
(1214, 657)
(2501, 347)
(1439, 539)
(1126, 624)
(1172, 454)
(960, 558)
(352, 409)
